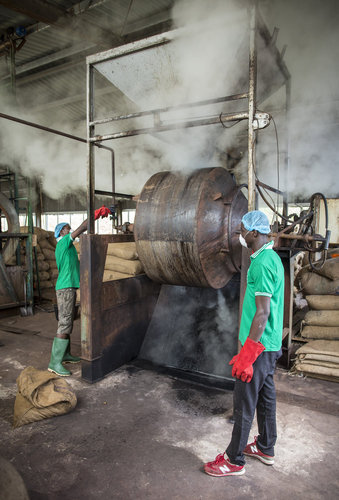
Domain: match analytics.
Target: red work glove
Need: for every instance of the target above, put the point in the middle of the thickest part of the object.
(234, 359)
(242, 365)
(101, 212)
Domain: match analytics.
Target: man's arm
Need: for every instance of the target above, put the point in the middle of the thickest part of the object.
(81, 229)
(252, 348)
(260, 318)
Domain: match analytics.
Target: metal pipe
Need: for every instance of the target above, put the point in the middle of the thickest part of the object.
(174, 126)
(293, 236)
(63, 134)
(91, 165)
(112, 193)
(252, 105)
(171, 108)
(287, 153)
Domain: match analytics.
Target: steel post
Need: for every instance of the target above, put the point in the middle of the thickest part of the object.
(287, 139)
(91, 164)
(252, 91)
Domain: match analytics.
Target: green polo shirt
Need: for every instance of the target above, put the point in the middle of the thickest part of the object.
(265, 276)
(68, 264)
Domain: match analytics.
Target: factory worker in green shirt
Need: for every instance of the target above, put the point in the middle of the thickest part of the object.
(67, 284)
(260, 339)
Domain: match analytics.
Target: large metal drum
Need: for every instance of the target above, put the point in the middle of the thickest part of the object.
(185, 227)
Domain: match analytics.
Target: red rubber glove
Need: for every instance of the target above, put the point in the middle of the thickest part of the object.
(234, 359)
(101, 212)
(242, 365)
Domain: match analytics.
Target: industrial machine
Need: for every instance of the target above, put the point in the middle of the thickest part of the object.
(184, 312)
(16, 281)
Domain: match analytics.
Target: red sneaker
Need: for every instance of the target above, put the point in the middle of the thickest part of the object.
(252, 450)
(221, 467)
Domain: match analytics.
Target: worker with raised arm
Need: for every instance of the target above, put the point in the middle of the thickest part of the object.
(260, 339)
(66, 286)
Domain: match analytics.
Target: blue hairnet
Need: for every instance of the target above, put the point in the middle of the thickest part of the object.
(256, 220)
(58, 228)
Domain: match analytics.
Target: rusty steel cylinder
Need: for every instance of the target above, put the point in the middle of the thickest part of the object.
(185, 227)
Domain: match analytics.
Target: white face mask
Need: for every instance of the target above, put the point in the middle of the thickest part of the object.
(242, 241)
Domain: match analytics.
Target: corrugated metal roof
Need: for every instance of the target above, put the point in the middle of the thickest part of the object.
(51, 66)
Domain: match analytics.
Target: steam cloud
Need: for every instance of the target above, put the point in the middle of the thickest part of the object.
(205, 63)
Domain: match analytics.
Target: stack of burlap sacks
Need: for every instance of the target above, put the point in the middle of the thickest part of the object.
(121, 261)
(319, 357)
(45, 248)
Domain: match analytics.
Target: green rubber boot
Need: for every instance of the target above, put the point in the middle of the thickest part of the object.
(68, 357)
(58, 350)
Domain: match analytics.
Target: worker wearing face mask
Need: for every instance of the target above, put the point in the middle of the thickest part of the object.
(260, 339)
(67, 284)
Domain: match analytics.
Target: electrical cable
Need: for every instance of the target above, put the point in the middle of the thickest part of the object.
(273, 208)
(230, 126)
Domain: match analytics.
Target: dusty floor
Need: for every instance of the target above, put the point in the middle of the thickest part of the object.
(139, 434)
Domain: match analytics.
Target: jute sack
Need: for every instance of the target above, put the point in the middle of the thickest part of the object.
(43, 265)
(330, 269)
(320, 347)
(49, 254)
(52, 263)
(77, 246)
(123, 266)
(319, 358)
(53, 273)
(46, 284)
(113, 275)
(314, 284)
(51, 238)
(43, 276)
(40, 395)
(317, 362)
(45, 243)
(126, 250)
(322, 318)
(321, 302)
(41, 233)
(318, 371)
(320, 332)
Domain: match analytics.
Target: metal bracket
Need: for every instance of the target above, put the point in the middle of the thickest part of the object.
(261, 120)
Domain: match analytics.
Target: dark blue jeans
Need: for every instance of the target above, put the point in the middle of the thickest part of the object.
(259, 394)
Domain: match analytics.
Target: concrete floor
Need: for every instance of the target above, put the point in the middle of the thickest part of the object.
(141, 434)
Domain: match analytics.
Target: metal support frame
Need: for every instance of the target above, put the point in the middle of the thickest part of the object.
(79, 139)
(252, 92)
(91, 332)
(257, 28)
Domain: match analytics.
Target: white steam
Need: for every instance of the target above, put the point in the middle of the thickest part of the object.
(208, 59)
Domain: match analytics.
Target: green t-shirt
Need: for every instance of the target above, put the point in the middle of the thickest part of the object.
(265, 276)
(67, 262)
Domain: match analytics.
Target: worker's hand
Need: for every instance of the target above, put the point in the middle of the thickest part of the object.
(243, 365)
(101, 212)
(234, 359)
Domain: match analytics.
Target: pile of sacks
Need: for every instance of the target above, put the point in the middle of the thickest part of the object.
(319, 357)
(45, 250)
(122, 261)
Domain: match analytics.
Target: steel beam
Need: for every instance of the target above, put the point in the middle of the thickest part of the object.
(252, 106)
(213, 120)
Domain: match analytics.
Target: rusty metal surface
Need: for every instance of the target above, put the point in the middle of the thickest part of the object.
(185, 227)
(115, 314)
(194, 329)
(8, 209)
